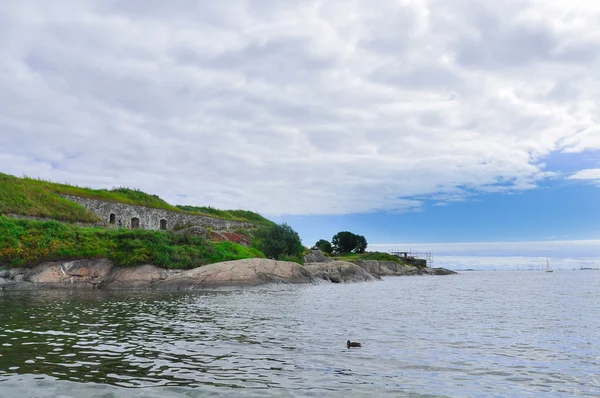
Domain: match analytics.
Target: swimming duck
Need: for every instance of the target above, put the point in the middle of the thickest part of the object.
(353, 344)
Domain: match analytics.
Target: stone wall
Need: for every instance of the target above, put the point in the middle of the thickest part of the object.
(122, 215)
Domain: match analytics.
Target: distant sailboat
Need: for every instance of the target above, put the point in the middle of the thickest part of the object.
(548, 269)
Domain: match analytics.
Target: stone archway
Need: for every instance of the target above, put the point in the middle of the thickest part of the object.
(135, 223)
(112, 219)
(163, 224)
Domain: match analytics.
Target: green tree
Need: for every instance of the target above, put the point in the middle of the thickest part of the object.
(346, 242)
(343, 242)
(324, 246)
(278, 241)
(361, 244)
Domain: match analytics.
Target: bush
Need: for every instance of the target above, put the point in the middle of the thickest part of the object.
(278, 241)
(324, 246)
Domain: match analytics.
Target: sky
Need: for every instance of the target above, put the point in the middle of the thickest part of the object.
(467, 128)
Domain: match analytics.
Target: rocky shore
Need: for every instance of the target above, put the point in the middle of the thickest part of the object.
(102, 274)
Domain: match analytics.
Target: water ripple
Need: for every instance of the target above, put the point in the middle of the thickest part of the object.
(478, 334)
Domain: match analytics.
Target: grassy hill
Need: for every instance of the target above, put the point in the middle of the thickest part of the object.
(40, 198)
(26, 242)
(25, 197)
(30, 242)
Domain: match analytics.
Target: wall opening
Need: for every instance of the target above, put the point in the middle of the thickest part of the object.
(135, 223)
(163, 224)
(112, 218)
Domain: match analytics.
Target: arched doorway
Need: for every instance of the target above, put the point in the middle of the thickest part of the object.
(135, 223)
(112, 218)
(163, 224)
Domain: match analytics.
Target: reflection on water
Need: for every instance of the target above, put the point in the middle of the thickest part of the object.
(478, 334)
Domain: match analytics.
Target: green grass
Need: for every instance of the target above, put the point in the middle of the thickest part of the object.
(237, 215)
(29, 242)
(20, 196)
(122, 195)
(379, 256)
(40, 198)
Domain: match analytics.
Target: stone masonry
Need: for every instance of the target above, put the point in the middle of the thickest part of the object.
(120, 215)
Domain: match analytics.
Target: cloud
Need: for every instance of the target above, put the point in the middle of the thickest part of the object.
(584, 140)
(298, 107)
(588, 174)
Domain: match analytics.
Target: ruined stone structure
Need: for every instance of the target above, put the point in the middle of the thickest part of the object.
(120, 215)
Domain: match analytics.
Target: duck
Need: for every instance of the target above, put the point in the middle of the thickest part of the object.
(353, 344)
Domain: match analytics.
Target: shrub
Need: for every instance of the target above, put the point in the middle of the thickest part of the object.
(324, 246)
(278, 240)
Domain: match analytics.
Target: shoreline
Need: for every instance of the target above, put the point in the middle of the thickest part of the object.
(101, 274)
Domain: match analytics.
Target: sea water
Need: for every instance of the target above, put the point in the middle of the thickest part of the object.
(476, 334)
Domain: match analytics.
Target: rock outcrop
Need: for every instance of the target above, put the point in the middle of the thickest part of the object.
(339, 272)
(316, 256)
(79, 273)
(372, 267)
(437, 271)
(252, 272)
(379, 268)
(101, 273)
(390, 268)
(141, 276)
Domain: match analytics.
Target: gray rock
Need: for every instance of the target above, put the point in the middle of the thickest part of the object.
(4, 281)
(392, 268)
(339, 272)
(79, 273)
(102, 274)
(17, 271)
(141, 276)
(437, 271)
(387, 268)
(5, 274)
(249, 272)
(317, 256)
(372, 267)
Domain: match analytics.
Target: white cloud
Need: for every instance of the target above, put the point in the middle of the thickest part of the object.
(588, 174)
(586, 139)
(297, 107)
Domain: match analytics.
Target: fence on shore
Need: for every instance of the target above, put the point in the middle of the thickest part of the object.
(415, 258)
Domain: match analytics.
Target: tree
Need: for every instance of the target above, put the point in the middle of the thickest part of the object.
(346, 242)
(361, 244)
(279, 240)
(343, 242)
(324, 246)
